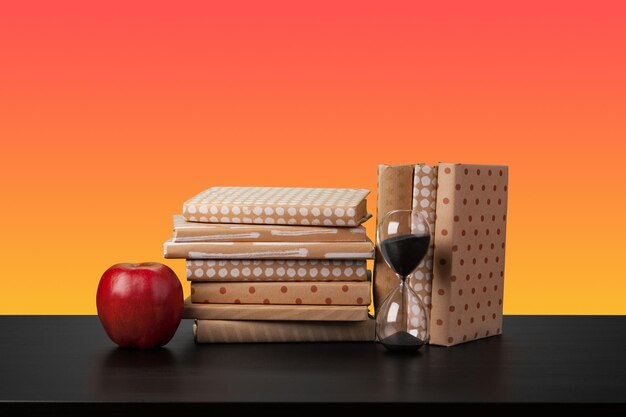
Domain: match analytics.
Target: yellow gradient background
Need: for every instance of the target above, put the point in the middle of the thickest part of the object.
(112, 115)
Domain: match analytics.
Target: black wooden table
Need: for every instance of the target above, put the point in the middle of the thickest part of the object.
(67, 364)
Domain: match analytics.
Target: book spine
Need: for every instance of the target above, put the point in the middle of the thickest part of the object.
(236, 331)
(320, 293)
(443, 255)
(268, 250)
(275, 270)
(273, 312)
(268, 234)
(425, 201)
(395, 183)
(304, 215)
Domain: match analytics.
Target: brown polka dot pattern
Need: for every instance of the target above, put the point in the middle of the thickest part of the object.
(323, 293)
(471, 208)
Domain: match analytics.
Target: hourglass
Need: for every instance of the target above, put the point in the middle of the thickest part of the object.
(403, 238)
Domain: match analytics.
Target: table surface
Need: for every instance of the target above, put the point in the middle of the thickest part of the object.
(538, 359)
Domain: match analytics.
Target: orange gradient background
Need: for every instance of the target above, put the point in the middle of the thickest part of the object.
(113, 113)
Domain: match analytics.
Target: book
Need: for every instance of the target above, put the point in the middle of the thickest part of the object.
(395, 184)
(185, 231)
(244, 331)
(470, 240)
(276, 270)
(306, 293)
(274, 312)
(424, 199)
(268, 250)
(279, 205)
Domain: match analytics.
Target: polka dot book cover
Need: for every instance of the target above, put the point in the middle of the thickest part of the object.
(282, 293)
(279, 205)
(276, 270)
(468, 265)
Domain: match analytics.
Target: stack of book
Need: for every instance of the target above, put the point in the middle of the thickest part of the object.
(269, 264)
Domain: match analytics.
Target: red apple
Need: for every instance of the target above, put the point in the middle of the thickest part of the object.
(140, 305)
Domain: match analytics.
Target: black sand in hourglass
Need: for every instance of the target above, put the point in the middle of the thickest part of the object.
(404, 253)
(402, 341)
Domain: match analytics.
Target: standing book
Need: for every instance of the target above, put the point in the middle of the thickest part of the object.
(395, 183)
(470, 240)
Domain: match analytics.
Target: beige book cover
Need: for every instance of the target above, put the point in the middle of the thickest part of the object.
(234, 270)
(274, 312)
(470, 240)
(278, 205)
(238, 331)
(395, 187)
(268, 250)
(314, 293)
(185, 231)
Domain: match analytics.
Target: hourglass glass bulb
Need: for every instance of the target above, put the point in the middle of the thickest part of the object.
(402, 320)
